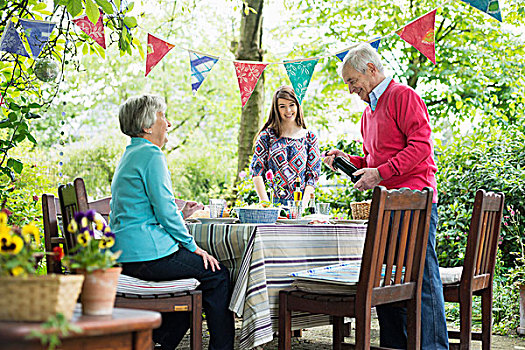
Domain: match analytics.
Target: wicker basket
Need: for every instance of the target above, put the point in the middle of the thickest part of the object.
(36, 298)
(360, 210)
(258, 216)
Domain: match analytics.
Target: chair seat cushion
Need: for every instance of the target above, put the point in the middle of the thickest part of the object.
(450, 275)
(132, 285)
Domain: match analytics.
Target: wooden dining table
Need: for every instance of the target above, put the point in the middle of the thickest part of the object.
(260, 258)
(125, 329)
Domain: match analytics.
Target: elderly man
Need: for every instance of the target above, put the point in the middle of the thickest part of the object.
(398, 152)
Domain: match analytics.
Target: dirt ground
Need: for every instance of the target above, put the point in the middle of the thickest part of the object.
(320, 338)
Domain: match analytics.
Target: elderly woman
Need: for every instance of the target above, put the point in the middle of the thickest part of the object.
(149, 228)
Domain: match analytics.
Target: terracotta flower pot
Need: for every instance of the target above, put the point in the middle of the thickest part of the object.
(99, 291)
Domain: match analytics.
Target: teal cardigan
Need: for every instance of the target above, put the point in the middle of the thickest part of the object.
(144, 217)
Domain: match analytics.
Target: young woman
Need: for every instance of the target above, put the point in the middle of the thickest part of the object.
(286, 147)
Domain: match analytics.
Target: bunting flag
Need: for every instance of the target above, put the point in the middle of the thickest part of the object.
(300, 73)
(375, 44)
(95, 32)
(37, 34)
(157, 49)
(201, 65)
(2, 101)
(420, 34)
(491, 7)
(248, 75)
(11, 41)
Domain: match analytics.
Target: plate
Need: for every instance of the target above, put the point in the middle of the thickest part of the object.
(218, 220)
(294, 221)
(341, 221)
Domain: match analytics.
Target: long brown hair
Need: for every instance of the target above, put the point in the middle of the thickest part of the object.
(274, 118)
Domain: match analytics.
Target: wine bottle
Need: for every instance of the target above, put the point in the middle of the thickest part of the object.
(346, 167)
(311, 205)
(297, 193)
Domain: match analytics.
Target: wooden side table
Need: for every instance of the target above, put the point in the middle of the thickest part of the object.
(126, 329)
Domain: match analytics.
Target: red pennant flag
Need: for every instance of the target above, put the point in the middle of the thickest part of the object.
(2, 101)
(248, 75)
(95, 32)
(157, 49)
(420, 34)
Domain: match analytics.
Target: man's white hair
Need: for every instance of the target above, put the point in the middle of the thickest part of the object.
(359, 56)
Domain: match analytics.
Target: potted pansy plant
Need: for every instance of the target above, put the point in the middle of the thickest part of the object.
(92, 257)
(26, 295)
(275, 184)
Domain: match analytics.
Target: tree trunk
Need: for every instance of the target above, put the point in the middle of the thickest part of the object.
(249, 49)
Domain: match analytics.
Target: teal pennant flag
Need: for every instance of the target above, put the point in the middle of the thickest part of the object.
(300, 73)
(491, 7)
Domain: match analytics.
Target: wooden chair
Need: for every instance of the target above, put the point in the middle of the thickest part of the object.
(396, 239)
(73, 198)
(478, 270)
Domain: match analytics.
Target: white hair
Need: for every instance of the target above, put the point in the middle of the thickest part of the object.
(359, 56)
(139, 113)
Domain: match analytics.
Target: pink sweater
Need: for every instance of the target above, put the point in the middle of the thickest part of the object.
(397, 140)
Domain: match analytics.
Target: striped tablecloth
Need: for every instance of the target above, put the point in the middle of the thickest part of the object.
(261, 257)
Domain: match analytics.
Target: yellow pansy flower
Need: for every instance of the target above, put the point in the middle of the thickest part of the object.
(84, 222)
(31, 229)
(3, 218)
(16, 271)
(107, 229)
(72, 227)
(5, 241)
(99, 221)
(106, 242)
(83, 238)
(17, 243)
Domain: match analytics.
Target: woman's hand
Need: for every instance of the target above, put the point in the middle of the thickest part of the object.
(190, 207)
(208, 259)
(330, 156)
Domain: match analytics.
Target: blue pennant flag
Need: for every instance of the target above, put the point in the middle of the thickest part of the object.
(341, 55)
(201, 65)
(491, 7)
(11, 41)
(37, 34)
(375, 44)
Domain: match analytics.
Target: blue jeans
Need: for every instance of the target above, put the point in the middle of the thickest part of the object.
(216, 293)
(392, 320)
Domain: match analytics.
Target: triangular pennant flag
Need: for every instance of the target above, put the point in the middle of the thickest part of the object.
(491, 7)
(95, 32)
(248, 75)
(11, 41)
(37, 34)
(341, 55)
(300, 74)
(157, 49)
(2, 101)
(201, 65)
(375, 43)
(420, 34)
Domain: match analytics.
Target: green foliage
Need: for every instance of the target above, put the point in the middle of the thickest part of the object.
(488, 158)
(95, 162)
(61, 328)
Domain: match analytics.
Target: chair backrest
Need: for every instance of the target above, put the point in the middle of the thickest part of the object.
(482, 241)
(395, 246)
(52, 237)
(73, 198)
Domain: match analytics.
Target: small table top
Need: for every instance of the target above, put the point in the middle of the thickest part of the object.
(122, 320)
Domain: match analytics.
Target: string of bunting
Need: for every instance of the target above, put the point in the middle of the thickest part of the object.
(420, 33)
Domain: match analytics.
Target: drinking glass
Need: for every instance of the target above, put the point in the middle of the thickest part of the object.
(323, 208)
(217, 207)
(295, 209)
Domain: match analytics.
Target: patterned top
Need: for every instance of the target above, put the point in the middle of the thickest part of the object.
(288, 158)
